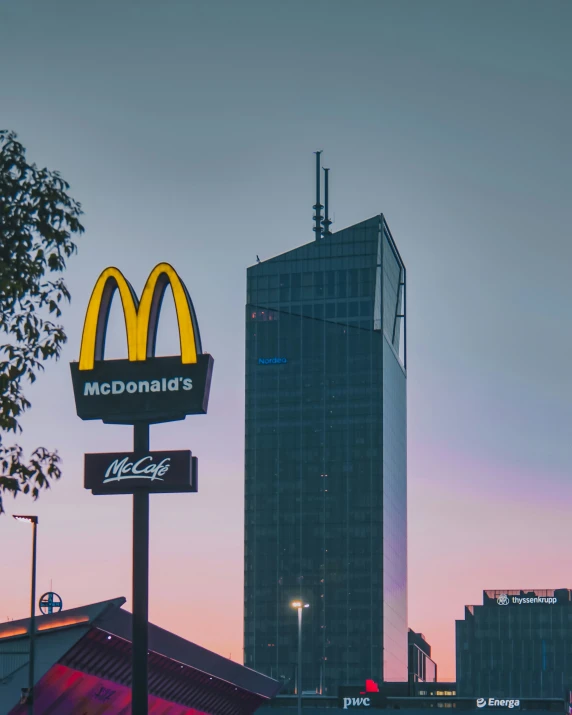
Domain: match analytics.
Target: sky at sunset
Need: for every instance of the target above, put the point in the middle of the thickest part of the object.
(186, 129)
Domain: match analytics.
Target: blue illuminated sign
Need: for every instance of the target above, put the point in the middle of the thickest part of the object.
(50, 602)
(272, 361)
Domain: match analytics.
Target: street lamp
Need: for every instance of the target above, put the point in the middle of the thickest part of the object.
(30, 699)
(299, 605)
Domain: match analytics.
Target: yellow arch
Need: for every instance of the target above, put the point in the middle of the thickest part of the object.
(139, 319)
(151, 303)
(95, 323)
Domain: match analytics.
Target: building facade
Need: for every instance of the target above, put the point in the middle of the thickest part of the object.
(518, 644)
(422, 668)
(325, 461)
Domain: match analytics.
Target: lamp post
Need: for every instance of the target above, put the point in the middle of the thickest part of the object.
(30, 699)
(299, 605)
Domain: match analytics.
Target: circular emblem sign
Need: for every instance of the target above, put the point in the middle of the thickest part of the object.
(503, 600)
(50, 603)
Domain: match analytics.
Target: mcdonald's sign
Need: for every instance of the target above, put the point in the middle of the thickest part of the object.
(143, 387)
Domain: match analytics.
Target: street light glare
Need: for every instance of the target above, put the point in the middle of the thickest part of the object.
(22, 517)
(299, 606)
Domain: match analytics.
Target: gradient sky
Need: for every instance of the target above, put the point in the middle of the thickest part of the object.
(186, 128)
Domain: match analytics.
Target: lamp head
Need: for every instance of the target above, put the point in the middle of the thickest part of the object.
(299, 604)
(23, 517)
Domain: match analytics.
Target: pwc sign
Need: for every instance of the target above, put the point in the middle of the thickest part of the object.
(143, 387)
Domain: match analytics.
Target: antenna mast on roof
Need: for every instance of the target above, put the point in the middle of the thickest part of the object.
(318, 206)
(326, 222)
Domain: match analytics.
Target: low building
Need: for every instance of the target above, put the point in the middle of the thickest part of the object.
(421, 667)
(394, 696)
(83, 667)
(516, 645)
(361, 699)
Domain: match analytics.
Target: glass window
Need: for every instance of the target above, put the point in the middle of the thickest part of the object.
(331, 284)
(318, 284)
(353, 283)
(366, 277)
(296, 295)
(341, 284)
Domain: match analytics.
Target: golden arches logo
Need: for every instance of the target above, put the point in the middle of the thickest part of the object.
(141, 317)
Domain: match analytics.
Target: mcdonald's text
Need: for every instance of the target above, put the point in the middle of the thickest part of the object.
(118, 387)
(160, 389)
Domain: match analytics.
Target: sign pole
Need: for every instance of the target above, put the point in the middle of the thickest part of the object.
(139, 684)
(144, 389)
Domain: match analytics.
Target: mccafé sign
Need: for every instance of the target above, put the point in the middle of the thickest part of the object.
(156, 472)
(156, 389)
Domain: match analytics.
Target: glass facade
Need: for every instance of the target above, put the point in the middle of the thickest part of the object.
(325, 461)
(517, 644)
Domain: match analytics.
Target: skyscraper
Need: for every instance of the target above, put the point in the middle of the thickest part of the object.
(325, 460)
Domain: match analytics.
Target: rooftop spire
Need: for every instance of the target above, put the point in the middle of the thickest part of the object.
(318, 206)
(326, 223)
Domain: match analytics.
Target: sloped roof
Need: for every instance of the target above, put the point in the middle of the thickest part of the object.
(179, 671)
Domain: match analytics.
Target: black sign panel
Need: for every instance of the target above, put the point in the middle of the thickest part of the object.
(127, 472)
(160, 389)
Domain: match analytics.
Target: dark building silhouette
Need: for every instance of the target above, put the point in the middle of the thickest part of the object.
(422, 668)
(516, 645)
(325, 460)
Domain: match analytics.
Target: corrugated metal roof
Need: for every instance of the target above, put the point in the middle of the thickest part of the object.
(179, 671)
(109, 657)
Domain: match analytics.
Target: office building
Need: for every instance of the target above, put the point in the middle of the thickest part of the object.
(517, 644)
(325, 460)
